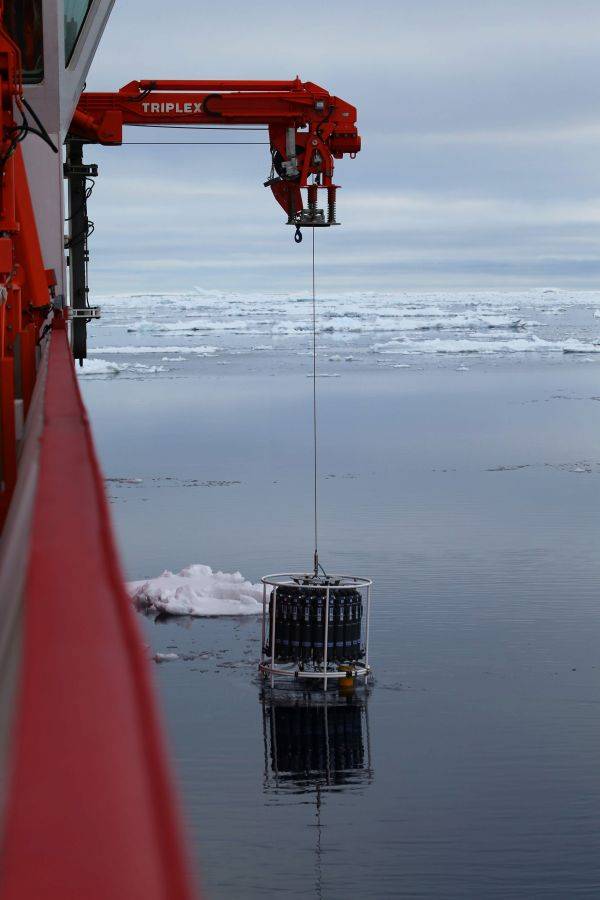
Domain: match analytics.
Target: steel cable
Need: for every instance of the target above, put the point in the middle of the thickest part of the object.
(315, 454)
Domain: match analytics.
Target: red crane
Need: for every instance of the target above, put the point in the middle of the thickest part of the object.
(308, 129)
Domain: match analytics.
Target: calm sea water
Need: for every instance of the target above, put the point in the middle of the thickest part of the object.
(471, 496)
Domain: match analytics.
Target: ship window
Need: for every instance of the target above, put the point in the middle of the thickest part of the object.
(23, 21)
(75, 13)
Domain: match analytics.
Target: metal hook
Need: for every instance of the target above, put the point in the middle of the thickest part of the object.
(298, 235)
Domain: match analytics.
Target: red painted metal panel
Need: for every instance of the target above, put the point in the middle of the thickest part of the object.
(27, 242)
(28, 372)
(8, 448)
(90, 812)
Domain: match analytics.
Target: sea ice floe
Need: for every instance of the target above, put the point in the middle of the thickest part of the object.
(108, 367)
(573, 346)
(198, 591)
(358, 323)
(125, 480)
(528, 344)
(484, 322)
(188, 326)
(129, 350)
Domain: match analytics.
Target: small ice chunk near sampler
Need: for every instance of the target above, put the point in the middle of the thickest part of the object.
(198, 591)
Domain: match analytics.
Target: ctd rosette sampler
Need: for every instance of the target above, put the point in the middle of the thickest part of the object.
(316, 628)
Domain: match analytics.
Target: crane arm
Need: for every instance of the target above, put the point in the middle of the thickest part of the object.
(308, 129)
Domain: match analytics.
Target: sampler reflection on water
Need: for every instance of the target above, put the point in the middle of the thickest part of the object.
(314, 739)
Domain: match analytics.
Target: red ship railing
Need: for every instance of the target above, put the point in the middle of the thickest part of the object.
(87, 808)
(90, 810)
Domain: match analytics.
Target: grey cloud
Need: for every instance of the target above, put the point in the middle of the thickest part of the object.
(481, 159)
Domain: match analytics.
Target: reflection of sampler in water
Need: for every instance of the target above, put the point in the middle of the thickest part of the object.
(315, 740)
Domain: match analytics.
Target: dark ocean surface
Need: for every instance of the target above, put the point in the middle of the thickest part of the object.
(468, 487)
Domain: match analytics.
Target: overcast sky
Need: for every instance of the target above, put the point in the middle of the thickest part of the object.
(480, 165)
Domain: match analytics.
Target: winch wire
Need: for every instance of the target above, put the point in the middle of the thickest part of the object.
(314, 380)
